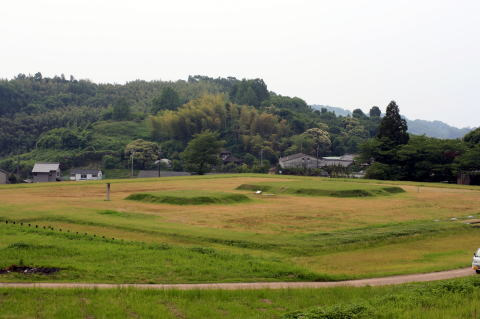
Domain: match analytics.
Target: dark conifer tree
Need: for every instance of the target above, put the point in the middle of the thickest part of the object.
(393, 126)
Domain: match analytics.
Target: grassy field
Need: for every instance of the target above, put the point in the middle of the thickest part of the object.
(298, 228)
(448, 299)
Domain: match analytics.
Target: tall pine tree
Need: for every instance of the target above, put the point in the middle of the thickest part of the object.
(393, 126)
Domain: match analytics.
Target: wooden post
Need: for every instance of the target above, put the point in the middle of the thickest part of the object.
(108, 191)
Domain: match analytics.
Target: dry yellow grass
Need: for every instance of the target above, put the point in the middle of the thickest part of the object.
(265, 215)
(72, 205)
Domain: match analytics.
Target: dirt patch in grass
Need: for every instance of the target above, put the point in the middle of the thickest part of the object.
(29, 270)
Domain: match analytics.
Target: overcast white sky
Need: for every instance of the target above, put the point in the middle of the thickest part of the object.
(424, 53)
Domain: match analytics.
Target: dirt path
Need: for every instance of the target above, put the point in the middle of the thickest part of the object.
(394, 280)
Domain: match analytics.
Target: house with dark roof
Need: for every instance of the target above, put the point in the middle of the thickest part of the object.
(301, 160)
(338, 161)
(3, 176)
(81, 174)
(46, 172)
(298, 160)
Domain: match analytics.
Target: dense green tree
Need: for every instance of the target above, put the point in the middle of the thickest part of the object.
(109, 162)
(393, 126)
(358, 113)
(375, 111)
(321, 141)
(470, 160)
(144, 153)
(249, 92)
(202, 152)
(121, 110)
(286, 102)
(167, 100)
(63, 138)
(473, 137)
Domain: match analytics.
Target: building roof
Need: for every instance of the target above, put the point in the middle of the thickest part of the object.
(348, 157)
(45, 167)
(334, 162)
(294, 156)
(3, 171)
(84, 171)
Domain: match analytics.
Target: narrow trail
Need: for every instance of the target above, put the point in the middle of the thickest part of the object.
(383, 281)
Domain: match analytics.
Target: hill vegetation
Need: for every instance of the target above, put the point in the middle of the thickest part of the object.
(81, 123)
(84, 124)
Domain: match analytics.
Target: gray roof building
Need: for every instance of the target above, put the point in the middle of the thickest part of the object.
(300, 160)
(45, 167)
(46, 172)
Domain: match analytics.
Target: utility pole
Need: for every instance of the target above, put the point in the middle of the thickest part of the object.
(133, 154)
(18, 164)
(159, 160)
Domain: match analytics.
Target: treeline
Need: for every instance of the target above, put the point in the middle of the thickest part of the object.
(78, 122)
(81, 123)
(396, 155)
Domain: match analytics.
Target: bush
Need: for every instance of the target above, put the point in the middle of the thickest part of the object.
(12, 179)
(110, 161)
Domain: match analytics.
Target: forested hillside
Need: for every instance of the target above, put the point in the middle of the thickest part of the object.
(84, 124)
(81, 123)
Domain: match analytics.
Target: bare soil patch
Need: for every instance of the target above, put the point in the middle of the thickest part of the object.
(29, 270)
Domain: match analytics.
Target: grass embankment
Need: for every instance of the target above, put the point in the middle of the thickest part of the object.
(458, 298)
(189, 198)
(309, 188)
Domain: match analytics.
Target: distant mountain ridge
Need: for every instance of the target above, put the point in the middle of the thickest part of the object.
(437, 129)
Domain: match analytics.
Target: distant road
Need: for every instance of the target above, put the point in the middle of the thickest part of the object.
(393, 280)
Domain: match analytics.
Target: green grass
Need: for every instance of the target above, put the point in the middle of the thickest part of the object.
(85, 258)
(453, 299)
(189, 198)
(312, 188)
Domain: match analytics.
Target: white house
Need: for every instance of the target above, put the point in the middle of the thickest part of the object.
(85, 174)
